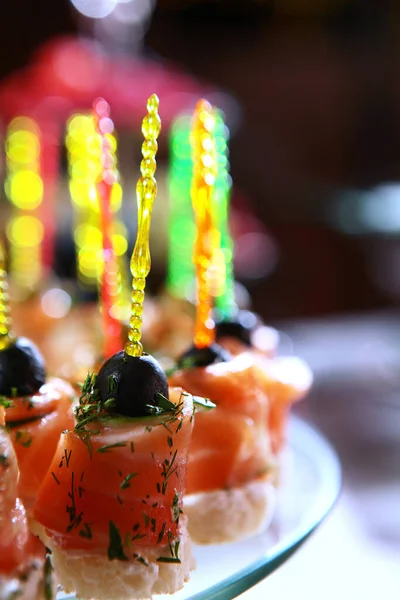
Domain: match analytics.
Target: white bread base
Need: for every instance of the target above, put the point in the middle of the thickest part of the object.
(96, 577)
(224, 516)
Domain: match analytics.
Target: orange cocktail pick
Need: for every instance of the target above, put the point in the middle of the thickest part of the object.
(109, 284)
(204, 174)
(6, 337)
(146, 190)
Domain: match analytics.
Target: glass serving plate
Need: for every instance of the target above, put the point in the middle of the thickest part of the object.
(311, 481)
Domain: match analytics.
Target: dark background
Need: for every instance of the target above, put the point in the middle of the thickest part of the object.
(317, 86)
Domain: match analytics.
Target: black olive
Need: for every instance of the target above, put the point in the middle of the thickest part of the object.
(239, 327)
(22, 369)
(134, 382)
(202, 357)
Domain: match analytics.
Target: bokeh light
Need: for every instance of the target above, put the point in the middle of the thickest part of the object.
(95, 9)
(86, 169)
(24, 189)
(25, 231)
(56, 303)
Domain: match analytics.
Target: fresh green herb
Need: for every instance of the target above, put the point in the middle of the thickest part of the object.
(48, 578)
(75, 522)
(115, 546)
(74, 518)
(165, 404)
(153, 410)
(5, 402)
(203, 403)
(23, 438)
(109, 447)
(84, 436)
(148, 429)
(27, 400)
(90, 407)
(161, 534)
(176, 549)
(146, 519)
(173, 548)
(112, 384)
(132, 447)
(86, 532)
(175, 510)
(14, 392)
(168, 470)
(166, 427)
(171, 371)
(168, 559)
(138, 536)
(67, 457)
(170, 441)
(141, 560)
(189, 362)
(120, 500)
(125, 483)
(55, 478)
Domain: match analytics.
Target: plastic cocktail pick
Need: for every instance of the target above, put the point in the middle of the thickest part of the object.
(225, 293)
(204, 173)
(181, 226)
(146, 191)
(109, 283)
(6, 336)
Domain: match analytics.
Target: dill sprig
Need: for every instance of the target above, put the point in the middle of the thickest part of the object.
(91, 407)
(5, 402)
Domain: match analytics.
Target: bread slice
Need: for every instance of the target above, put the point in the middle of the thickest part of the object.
(224, 516)
(95, 576)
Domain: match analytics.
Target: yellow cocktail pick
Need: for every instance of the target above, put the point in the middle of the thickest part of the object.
(146, 191)
(6, 337)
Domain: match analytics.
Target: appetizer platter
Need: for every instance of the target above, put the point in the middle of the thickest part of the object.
(176, 472)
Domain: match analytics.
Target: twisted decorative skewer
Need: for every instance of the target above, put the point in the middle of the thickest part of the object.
(225, 296)
(204, 174)
(6, 337)
(109, 284)
(146, 191)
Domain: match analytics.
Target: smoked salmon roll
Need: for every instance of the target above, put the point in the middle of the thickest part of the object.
(24, 571)
(230, 494)
(287, 379)
(39, 409)
(110, 507)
